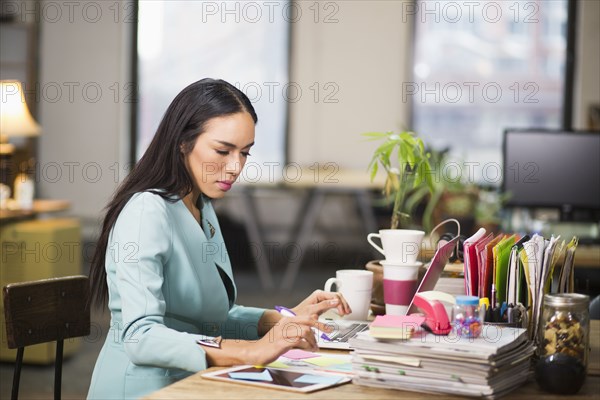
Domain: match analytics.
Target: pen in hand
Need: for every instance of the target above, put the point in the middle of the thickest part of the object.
(286, 312)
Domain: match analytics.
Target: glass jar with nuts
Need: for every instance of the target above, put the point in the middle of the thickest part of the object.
(563, 343)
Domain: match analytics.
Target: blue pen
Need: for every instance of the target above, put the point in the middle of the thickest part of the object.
(286, 312)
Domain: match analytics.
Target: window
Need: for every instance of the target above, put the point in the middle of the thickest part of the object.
(244, 43)
(482, 67)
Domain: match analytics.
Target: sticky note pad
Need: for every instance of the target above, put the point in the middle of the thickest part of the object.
(342, 367)
(318, 379)
(326, 361)
(296, 354)
(278, 364)
(398, 321)
(264, 376)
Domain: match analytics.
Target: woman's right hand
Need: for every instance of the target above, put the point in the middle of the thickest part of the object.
(288, 333)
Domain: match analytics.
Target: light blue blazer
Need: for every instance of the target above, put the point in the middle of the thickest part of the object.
(169, 283)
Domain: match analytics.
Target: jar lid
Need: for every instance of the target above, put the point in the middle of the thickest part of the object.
(467, 300)
(566, 299)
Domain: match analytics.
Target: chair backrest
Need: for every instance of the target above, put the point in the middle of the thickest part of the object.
(46, 310)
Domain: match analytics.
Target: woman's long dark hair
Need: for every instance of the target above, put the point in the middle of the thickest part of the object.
(162, 168)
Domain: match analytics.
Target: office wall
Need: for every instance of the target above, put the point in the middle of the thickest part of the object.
(587, 64)
(358, 58)
(84, 61)
(364, 55)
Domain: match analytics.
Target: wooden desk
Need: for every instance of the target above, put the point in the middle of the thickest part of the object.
(196, 387)
(39, 207)
(587, 256)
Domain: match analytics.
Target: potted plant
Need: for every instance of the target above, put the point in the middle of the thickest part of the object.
(406, 164)
(403, 159)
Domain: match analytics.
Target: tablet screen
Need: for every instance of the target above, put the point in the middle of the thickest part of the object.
(277, 378)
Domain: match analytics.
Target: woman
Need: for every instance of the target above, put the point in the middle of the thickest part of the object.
(162, 266)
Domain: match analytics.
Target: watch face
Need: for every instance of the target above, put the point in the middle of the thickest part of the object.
(210, 342)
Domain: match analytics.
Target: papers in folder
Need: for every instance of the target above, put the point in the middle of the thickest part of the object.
(540, 264)
(510, 271)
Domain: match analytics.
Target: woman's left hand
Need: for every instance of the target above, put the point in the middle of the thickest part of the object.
(320, 301)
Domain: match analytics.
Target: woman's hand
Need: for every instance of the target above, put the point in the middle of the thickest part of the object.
(288, 333)
(320, 301)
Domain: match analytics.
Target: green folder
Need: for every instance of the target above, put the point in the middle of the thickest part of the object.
(501, 257)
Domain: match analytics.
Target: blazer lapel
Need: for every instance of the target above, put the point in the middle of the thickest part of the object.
(218, 250)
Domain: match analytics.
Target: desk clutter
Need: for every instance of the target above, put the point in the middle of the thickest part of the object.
(477, 333)
(487, 340)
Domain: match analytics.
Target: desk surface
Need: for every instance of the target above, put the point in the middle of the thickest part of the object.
(330, 176)
(39, 207)
(326, 177)
(587, 256)
(196, 387)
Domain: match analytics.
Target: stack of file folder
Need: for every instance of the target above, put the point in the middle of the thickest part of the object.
(491, 365)
(514, 272)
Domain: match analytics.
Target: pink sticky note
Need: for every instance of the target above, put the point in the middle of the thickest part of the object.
(296, 354)
(397, 321)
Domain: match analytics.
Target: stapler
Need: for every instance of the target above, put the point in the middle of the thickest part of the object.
(436, 317)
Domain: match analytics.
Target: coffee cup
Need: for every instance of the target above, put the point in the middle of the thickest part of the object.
(400, 282)
(356, 286)
(400, 246)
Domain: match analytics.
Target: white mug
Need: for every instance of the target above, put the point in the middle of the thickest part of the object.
(400, 246)
(356, 286)
(400, 282)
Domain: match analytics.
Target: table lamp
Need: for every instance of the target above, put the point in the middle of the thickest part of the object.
(15, 118)
(15, 121)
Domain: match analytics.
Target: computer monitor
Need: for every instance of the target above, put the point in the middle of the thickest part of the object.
(553, 169)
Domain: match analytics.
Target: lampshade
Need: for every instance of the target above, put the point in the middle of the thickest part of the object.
(15, 118)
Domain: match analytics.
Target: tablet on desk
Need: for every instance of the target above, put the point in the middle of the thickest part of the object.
(274, 378)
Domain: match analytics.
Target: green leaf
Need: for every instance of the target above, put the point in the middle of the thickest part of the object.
(402, 157)
(375, 135)
(407, 137)
(374, 171)
(385, 147)
(416, 197)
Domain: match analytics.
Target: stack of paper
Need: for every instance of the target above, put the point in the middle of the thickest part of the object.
(490, 366)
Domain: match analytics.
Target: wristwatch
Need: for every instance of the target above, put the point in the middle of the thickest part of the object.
(210, 342)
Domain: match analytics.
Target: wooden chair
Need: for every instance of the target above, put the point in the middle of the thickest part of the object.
(45, 311)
